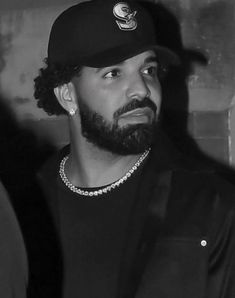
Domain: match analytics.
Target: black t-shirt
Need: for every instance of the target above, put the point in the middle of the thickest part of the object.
(92, 232)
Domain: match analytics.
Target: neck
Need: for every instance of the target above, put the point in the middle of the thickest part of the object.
(90, 166)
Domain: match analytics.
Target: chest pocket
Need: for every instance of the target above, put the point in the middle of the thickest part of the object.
(177, 268)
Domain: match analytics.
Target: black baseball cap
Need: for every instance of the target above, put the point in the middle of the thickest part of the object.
(100, 33)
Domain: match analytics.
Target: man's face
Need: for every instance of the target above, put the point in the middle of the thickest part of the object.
(119, 105)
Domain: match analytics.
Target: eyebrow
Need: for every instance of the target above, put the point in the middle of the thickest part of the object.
(101, 68)
(148, 59)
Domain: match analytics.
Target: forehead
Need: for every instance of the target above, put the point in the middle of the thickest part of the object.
(141, 58)
(137, 60)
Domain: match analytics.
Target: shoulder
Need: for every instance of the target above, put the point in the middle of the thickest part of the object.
(201, 203)
(190, 177)
(204, 183)
(50, 168)
(193, 195)
(48, 179)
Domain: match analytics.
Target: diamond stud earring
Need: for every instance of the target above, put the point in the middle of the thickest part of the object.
(72, 112)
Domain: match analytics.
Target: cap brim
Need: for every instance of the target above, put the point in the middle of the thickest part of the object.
(116, 55)
(166, 56)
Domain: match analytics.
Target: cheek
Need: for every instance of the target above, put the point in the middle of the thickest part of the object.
(100, 100)
(156, 94)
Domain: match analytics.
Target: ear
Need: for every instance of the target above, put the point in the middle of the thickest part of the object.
(66, 97)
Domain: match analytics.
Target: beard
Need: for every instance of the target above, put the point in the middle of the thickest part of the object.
(130, 139)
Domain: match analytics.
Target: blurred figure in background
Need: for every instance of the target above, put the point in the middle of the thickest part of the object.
(13, 259)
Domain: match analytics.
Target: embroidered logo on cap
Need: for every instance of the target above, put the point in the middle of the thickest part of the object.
(126, 18)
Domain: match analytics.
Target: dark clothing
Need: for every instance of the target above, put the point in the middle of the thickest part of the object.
(92, 232)
(13, 260)
(178, 240)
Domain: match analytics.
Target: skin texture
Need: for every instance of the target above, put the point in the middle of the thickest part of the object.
(108, 91)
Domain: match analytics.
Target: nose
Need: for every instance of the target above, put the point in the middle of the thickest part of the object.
(137, 88)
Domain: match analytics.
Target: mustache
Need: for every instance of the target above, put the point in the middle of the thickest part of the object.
(135, 104)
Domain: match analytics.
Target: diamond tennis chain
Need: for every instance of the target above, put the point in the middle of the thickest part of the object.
(104, 189)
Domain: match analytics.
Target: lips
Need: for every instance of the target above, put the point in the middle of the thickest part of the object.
(138, 115)
(137, 112)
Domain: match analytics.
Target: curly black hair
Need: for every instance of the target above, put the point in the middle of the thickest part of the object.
(50, 77)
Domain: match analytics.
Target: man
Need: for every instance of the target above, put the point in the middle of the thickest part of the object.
(132, 218)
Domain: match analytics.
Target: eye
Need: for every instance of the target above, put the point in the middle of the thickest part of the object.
(112, 74)
(151, 71)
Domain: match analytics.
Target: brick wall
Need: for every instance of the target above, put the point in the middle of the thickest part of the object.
(207, 30)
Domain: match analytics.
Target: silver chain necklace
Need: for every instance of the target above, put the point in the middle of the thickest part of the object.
(104, 189)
